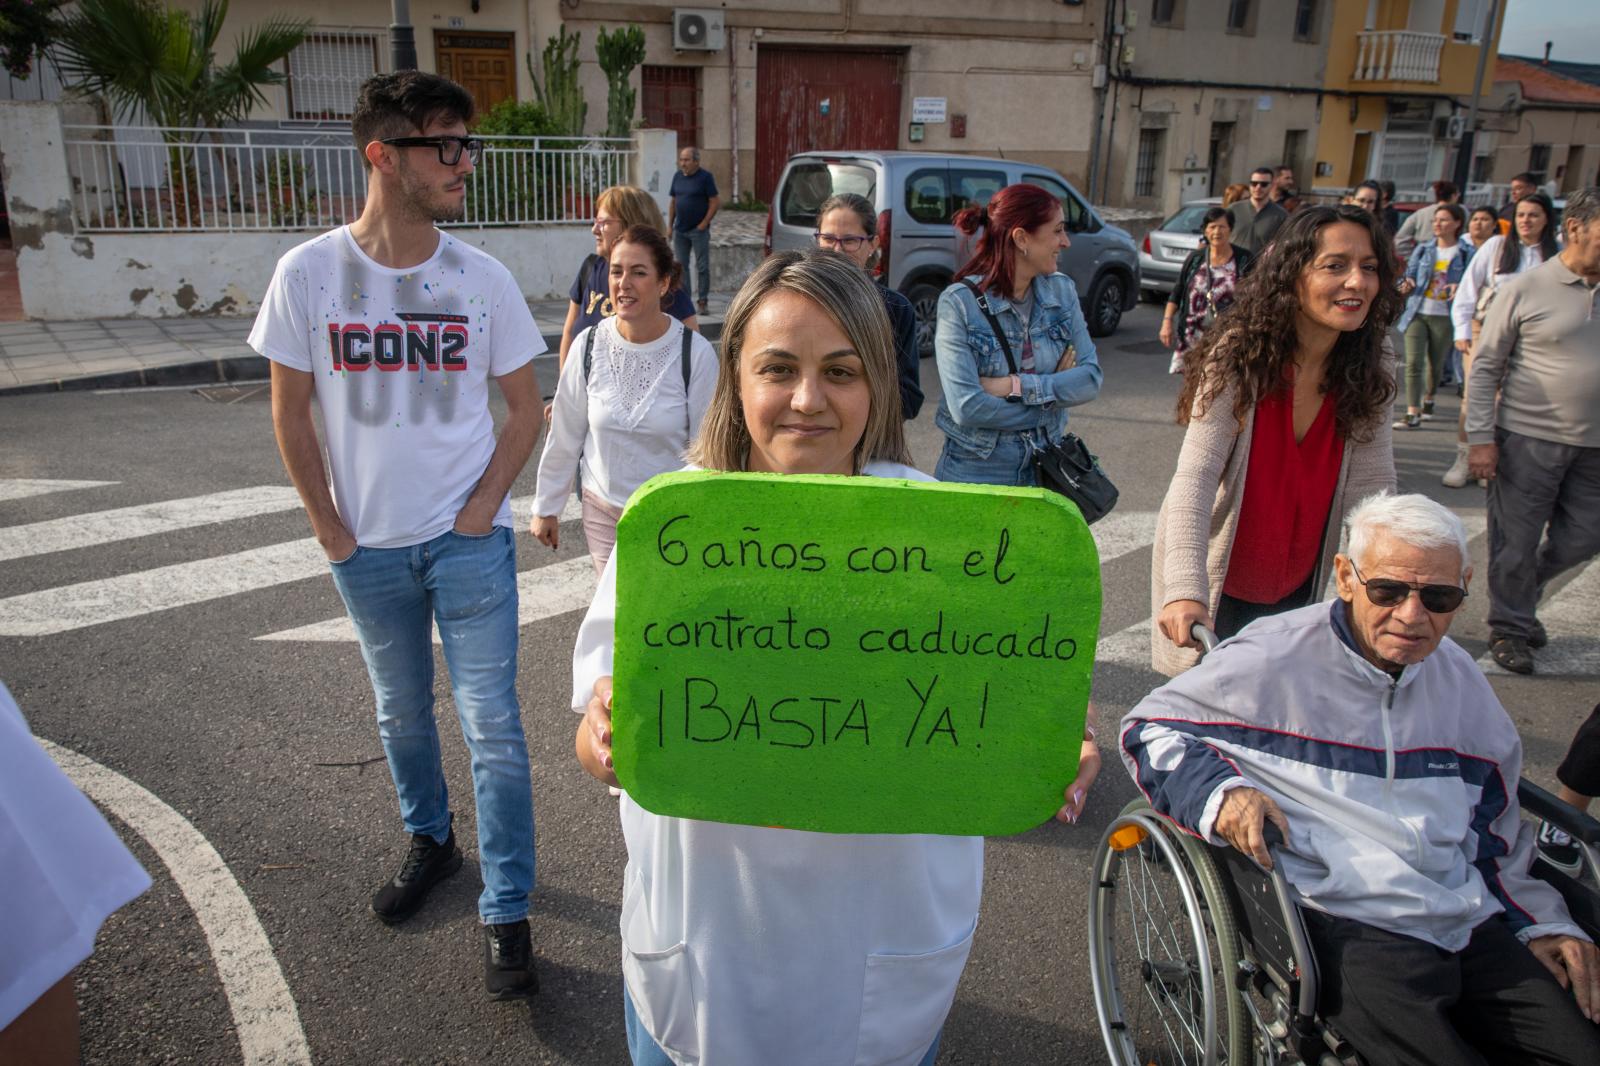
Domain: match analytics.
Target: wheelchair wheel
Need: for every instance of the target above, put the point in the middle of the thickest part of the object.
(1164, 949)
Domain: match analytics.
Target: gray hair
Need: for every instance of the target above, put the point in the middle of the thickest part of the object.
(694, 153)
(1583, 207)
(1414, 519)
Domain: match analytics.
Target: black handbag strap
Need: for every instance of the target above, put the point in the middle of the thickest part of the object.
(994, 323)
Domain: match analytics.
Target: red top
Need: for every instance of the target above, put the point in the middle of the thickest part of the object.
(1288, 489)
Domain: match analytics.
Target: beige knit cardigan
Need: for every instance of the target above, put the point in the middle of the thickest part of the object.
(1194, 534)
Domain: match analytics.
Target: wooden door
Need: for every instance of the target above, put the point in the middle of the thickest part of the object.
(482, 63)
(823, 100)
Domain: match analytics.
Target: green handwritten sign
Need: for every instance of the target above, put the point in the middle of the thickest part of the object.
(852, 655)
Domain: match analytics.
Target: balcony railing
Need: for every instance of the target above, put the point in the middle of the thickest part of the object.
(1398, 55)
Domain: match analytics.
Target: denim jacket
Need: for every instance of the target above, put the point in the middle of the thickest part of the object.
(967, 349)
(1419, 268)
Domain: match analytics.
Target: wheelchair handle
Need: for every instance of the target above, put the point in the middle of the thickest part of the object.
(1202, 633)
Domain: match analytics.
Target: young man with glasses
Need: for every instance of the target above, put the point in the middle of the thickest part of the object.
(1380, 752)
(1258, 218)
(396, 328)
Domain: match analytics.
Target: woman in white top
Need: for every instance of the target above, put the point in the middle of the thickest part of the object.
(1496, 259)
(627, 407)
(742, 944)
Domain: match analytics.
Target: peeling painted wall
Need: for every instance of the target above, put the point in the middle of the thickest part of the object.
(113, 275)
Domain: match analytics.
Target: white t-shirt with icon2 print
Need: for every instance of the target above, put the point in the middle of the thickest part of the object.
(401, 361)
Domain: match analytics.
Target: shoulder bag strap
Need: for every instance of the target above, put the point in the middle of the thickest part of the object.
(588, 352)
(994, 323)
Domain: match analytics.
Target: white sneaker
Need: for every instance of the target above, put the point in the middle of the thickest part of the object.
(1458, 475)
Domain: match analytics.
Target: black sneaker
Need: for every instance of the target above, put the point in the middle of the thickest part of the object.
(1559, 850)
(1511, 653)
(508, 961)
(426, 864)
(1537, 637)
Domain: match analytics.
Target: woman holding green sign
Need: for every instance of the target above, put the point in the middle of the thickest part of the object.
(1013, 347)
(745, 944)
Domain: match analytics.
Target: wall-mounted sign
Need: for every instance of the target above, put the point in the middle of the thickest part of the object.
(928, 108)
(825, 105)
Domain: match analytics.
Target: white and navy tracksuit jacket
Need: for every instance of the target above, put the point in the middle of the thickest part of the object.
(1400, 792)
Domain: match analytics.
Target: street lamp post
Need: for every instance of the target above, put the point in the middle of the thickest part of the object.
(402, 40)
(1469, 134)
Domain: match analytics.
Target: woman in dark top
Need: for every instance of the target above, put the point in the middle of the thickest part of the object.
(1206, 285)
(846, 223)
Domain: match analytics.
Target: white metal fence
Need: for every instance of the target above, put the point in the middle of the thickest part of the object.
(163, 180)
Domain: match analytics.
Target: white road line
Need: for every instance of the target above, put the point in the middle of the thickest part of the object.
(16, 488)
(542, 593)
(1569, 617)
(143, 520)
(92, 603)
(264, 1013)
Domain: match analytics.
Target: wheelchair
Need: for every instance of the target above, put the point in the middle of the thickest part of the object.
(1200, 957)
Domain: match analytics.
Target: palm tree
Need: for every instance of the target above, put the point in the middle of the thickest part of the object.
(159, 62)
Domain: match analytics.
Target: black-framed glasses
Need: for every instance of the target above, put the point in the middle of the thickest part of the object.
(450, 148)
(846, 242)
(1389, 592)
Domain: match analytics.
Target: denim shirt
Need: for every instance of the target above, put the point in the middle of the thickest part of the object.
(1419, 268)
(967, 349)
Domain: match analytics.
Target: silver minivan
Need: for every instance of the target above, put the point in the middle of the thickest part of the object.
(917, 193)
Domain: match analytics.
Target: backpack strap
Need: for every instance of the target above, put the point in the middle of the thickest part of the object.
(688, 419)
(588, 353)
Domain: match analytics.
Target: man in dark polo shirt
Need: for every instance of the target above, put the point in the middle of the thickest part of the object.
(693, 205)
(1533, 425)
(1258, 218)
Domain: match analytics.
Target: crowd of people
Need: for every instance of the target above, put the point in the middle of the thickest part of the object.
(744, 944)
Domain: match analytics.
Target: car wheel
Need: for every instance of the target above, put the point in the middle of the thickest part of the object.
(925, 302)
(1104, 309)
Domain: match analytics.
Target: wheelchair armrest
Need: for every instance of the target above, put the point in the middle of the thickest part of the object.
(1564, 816)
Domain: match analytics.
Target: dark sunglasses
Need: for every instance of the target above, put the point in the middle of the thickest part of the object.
(450, 148)
(1387, 592)
(1261, 183)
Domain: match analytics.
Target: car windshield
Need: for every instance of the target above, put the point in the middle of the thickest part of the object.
(1187, 220)
(810, 183)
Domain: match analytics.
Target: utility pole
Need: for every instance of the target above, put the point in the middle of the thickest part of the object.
(1469, 135)
(402, 39)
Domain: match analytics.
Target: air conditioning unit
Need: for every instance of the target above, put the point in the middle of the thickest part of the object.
(1449, 127)
(697, 30)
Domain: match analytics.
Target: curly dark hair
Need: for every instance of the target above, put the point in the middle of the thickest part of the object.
(1252, 347)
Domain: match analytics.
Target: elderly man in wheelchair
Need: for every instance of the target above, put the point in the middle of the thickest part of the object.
(1411, 928)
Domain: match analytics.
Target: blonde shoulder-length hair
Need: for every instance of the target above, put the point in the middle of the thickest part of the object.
(632, 206)
(842, 291)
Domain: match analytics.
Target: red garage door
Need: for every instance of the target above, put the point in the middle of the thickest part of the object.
(816, 100)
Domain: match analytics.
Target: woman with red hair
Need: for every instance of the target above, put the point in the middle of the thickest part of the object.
(1013, 347)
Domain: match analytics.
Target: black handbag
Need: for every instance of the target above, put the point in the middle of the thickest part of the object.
(1066, 466)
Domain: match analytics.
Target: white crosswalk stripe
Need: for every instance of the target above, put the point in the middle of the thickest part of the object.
(143, 520)
(542, 593)
(17, 488)
(92, 603)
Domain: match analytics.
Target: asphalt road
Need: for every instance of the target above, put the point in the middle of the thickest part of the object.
(264, 746)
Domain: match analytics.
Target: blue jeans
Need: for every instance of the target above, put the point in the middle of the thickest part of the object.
(1011, 463)
(698, 241)
(469, 584)
(644, 1051)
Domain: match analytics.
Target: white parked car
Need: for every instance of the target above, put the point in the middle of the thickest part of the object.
(1163, 250)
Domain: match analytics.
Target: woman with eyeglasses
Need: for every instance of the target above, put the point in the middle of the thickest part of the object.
(629, 403)
(616, 210)
(1013, 364)
(1287, 404)
(846, 223)
(1532, 242)
(751, 944)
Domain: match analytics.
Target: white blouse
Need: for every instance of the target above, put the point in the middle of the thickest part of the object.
(1473, 280)
(634, 420)
(743, 944)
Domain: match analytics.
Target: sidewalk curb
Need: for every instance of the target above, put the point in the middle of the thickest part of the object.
(215, 371)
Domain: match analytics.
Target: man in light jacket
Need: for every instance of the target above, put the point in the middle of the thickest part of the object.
(1380, 751)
